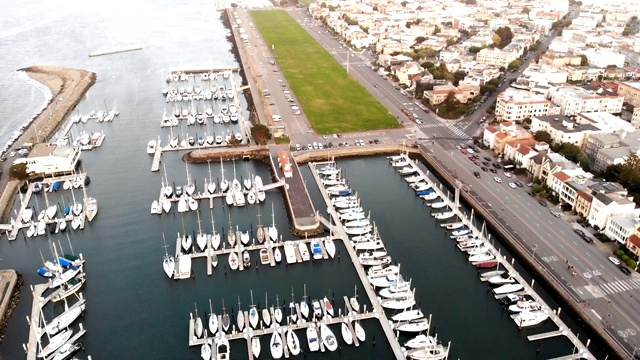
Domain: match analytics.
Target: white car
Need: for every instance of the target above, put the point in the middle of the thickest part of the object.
(507, 174)
(513, 185)
(497, 179)
(470, 151)
(614, 260)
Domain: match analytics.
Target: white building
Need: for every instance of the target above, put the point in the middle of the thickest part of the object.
(497, 57)
(50, 159)
(573, 100)
(545, 74)
(604, 57)
(635, 118)
(517, 105)
(563, 129)
(605, 205)
(620, 227)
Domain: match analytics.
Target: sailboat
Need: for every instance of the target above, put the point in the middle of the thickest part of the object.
(293, 311)
(224, 184)
(226, 320)
(276, 345)
(255, 346)
(273, 230)
(168, 262)
(190, 188)
(360, 334)
(304, 305)
(328, 339)
(186, 242)
(65, 319)
(260, 230)
(55, 342)
(211, 185)
(213, 320)
(277, 312)
(277, 254)
(90, 205)
(266, 315)
(293, 342)
(257, 185)
(231, 236)
(346, 333)
(215, 237)
(240, 319)
(253, 314)
(205, 351)
(201, 238)
(197, 326)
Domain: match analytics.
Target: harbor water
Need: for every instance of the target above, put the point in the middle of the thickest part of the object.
(133, 310)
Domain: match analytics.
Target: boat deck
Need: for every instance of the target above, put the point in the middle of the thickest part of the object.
(504, 263)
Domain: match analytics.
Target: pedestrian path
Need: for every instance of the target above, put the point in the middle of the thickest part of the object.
(457, 132)
(619, 286)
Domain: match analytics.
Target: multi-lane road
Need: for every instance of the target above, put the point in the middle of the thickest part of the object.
(607, 295)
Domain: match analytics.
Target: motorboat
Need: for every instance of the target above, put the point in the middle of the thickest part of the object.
(478, 249)
(64, 276)
(328, 339)
(346, 333)
(183, 206)
(293, 343)
(90, 208)
(317, 309)
(525, 305)
(484, 276)
(429, 196)
(67, 350)
(316, 250)
(507, 288)
(431, 352)
(502, 279)
(359, 230)
(312, 338)
(151, 147)
(264, 257)
(421, 341)
(485, 256)
(223, 351)
(233, 260)
(444, 215)
(400, 291)
(205, 351)
(510, 299)
(530, 318)
(277, 255)
(304, 251)
(374, 261)
(377, 271)
(418, 325)
(389, 280)
(276, 345)
(328, 307)
(399, 303)
(155, 207)
(245, 237)
(27, 214)
(246, 259)
(460, 232)
(408, 315)
(369, 245)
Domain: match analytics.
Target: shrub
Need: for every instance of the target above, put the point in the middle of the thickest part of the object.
(625, 258)
(618, 253)
(632, 264)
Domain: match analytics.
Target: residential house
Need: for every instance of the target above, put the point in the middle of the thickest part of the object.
(498, 57)
(521, 151)
(560, 59)
(462, 93)
(605, 205)
(630, 90)
(621, 227)
(566, 184)
(633, 243)
(407, 71)
(635, 118)
(497, 137)
(583, 203)
(546, 163)
(604, 57)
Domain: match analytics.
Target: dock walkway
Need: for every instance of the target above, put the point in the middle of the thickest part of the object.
(373, 298)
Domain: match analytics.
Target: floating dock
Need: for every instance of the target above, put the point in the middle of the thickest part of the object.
(116, 51)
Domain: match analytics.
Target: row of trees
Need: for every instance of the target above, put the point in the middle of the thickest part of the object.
(627, 174)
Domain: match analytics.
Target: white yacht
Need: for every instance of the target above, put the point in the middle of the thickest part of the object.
(312, 338)
(151, 147)
(530, 318)
(328, 339)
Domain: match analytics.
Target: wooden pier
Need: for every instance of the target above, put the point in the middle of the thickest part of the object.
(454, 205)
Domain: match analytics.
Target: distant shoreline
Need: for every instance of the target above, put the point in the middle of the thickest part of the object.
(68, 87)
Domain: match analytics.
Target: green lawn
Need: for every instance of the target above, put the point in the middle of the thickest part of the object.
(306, 2)
(333, 101)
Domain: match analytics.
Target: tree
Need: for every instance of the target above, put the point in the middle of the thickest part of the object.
(626, 31)
(451, 42)
(451, 102)
(526, 10)
(420, 39)
(475, 49)
(460, 74)
(404, 3)
(506, 35)
(19, 171)
(260, 134)
(436, 30)
(514, 64)
(630, 174)
(496, 39)
(542, 135)
(584, 61)
(487, 88)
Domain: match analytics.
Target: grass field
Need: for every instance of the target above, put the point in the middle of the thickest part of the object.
(333, 101)
(306, 2)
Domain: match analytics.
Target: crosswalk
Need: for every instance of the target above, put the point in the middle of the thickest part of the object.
(457, 132)
(619, 286)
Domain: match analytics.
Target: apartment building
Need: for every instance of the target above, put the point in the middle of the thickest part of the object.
(517, 105)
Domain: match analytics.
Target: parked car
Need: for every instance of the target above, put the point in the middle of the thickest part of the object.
(614, 260)
(476, 174)
(497, 179)
(542, 202)
(512, 185)
(625, 270)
